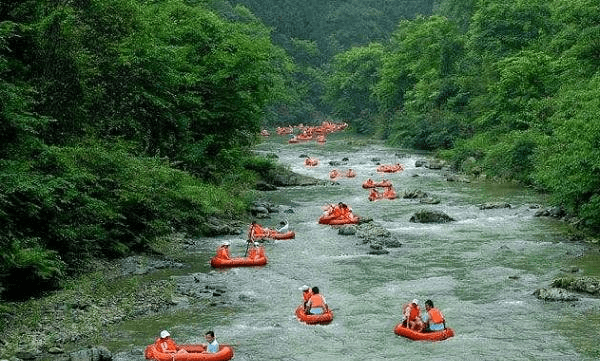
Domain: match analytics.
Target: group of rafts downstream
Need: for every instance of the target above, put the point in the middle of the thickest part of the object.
(333, 214)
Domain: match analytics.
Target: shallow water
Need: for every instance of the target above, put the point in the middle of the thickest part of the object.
(480, 270)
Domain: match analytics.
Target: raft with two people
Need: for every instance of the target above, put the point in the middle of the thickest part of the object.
(404, 331)
(390, 168)
(334, 173)
(191, 352)
(338, 214)
(429, 326)
(310, 319)
(258, 232)
(389, 193)
(311, 162)
(369, 183)
(255, 257)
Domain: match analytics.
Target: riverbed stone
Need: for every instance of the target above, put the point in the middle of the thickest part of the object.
(347, 231)
(429, 200)
(589, 285)
(264, 186)
(98, 353)
(554, 294)
(427, 216)
(139, 265)
(494, 205)
(414, 193)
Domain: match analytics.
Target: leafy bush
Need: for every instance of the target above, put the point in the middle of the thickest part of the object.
(90, 201)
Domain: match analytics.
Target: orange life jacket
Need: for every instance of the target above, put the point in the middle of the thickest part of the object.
(166, 345)
(306, 295)
(316, 300)
(435, 315)
(223, 252)
(253, 252)
(261, 252)
(256, 232)
(415, 312)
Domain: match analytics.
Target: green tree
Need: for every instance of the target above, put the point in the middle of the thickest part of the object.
(350, 86)
(420, 72)
(568, 163)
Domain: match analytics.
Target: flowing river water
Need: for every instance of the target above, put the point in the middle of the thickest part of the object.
(481, 270)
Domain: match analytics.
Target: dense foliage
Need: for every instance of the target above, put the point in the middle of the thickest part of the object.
(313, 32)
(125, 120)
(505, 89)
(122, 121)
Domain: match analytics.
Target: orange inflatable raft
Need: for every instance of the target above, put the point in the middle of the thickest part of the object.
(193, 353)
(311, 162)
(321, 319)
(390, 168)
(257, 232)
(338, 214)
(218, 262)
(401, 330)
(369, 183)
(280, 235)
(256, 257)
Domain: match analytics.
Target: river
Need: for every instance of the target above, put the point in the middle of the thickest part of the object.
(481, 270)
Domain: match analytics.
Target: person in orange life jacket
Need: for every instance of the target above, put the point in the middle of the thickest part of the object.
(306, 293)
(374, 194)
(223, 251)
(261, 250)
(433, 319)
(412, 315)
(316, 304)
(389, 192)
(256, 251)
(166, 344)
(255, 232)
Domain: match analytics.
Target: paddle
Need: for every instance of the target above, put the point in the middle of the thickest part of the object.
(247, 246)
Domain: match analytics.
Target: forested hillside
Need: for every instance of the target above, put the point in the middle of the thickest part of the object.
(506, 90)
(122, 121)
(312, 32)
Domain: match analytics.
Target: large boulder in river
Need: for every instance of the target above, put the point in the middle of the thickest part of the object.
(415, 193)
(426, 216)
(375, 235)
(494, 205)
(98, 353)
(590, 285)
(554, 294)
(283, 177)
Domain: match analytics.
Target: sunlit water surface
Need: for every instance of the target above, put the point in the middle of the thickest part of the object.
(480, 270)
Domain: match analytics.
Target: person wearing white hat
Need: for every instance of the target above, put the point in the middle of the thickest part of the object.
(306, 293)
(166, 345)
(412, 315)
(223, 251)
